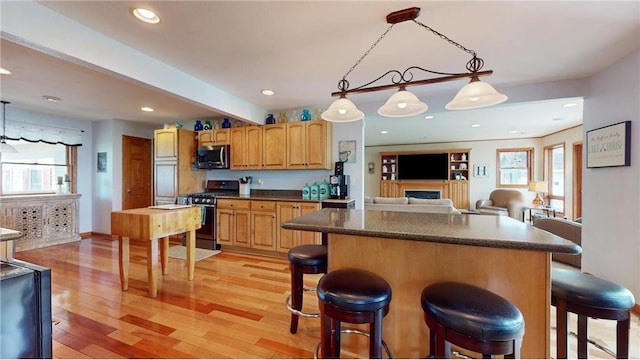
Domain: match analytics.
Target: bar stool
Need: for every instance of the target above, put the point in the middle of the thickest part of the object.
(357, 297)
(303, 259)
(589, 296)
(473, 318)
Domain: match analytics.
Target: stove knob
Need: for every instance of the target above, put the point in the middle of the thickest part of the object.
(196, 200)
(208, 201)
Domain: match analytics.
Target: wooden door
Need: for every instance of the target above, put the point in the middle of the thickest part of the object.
(286, 239)
(242, 221)
(316, 144)
(225, 226)
(136, 172)
(263, 230)
(274, 146)
(221, 136)
(166, 179)
(296, 144)
(577, 180)
(308, 237)
(205, 138)
(166, 144)
(238, 148)
(253, 136)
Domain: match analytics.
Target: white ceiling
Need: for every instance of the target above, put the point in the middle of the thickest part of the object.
(301, 49)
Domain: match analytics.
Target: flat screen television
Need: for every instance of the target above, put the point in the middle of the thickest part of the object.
(423, 166)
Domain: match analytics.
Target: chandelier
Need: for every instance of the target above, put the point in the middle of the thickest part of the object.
(475, 94)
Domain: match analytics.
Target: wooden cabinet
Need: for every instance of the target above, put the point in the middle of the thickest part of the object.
(389, 167)
(459, 193)
(263, 225)
(174, 158)
(289, 238)
(233, 222)
(309, 145)
(459, 165)
(274, 146)
(246, 147)
(213, 137)
(389, 188)
(44, 220)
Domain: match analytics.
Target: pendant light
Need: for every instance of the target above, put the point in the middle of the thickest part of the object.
(402, 104)
(476, 94)
(4, 147)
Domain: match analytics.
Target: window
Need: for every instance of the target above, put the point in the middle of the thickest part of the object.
(36, 168)
(554, 174)
(514, 167)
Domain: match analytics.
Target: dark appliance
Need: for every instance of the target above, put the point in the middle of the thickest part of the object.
(423, 166)
(339, 168)
(25, 310)
(339, 186)
(206, 235)
(213, 157)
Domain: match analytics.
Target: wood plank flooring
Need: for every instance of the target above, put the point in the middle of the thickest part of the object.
(234, 308)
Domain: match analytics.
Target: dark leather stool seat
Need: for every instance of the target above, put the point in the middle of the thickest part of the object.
(303, 259)
(352, 296)
(589, 296)
(473, 318)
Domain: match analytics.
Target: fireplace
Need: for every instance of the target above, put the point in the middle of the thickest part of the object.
(423, 194)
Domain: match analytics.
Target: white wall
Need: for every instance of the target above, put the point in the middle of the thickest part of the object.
(611, 196)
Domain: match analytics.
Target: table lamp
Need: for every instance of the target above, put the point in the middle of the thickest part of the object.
(538, 187)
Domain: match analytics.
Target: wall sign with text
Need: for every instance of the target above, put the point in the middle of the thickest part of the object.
(609, 146)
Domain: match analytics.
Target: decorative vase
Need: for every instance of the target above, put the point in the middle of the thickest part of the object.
(198, 126)
(270, 119)
(282, 117)
(226, 124)
(306, 115)
(207, 125)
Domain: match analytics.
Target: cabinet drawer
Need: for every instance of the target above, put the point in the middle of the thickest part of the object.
(233, 204)
(263, 205)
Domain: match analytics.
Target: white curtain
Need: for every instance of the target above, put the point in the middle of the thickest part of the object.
(44, 133)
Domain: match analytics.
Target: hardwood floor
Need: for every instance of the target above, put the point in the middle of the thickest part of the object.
(234, 308)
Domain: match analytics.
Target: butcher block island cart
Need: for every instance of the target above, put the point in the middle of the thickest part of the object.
(413, 250)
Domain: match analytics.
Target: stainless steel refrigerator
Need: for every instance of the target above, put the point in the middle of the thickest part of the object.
(25, 310)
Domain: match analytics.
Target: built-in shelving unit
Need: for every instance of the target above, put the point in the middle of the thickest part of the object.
(389, 167)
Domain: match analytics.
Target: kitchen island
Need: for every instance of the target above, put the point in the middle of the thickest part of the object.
(413, 250)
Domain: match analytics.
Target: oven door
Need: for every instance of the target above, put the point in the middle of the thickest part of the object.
(206, 235)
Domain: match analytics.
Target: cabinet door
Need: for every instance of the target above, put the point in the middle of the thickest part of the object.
(242, 228)
(166, 144)
(166, 179)
(221, 136)
(205, 138)
(238, 145)
(286, 238)
(309, 237)
(225, 226)
(296, 144)
(253, 136)
(60, 219)
(274, 146)
(459, 193)
(389, 188)
(263, 230)
(317, 145)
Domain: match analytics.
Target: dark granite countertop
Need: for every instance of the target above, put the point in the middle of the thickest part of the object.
(279, 195)
(462, 229)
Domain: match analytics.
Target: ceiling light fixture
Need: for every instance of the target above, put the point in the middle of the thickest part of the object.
(475, 94)
(4, 147)
(50, 98)
(570, 105)
(146, 15)
(4, 71)
(384, 132)
(429, 117)
(146, 109)
(475, 125)
(268, 92)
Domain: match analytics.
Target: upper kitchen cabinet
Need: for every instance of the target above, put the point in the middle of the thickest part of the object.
(246, 147)
(309, 145)
(174, 155)
(213, 137)
(274, 147)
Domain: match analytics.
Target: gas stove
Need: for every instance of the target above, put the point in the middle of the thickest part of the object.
(214, 189)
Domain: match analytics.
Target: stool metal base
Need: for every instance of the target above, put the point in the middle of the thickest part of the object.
(287, 302)
(316, 352)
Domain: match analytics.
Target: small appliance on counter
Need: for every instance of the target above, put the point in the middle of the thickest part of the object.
(339, 183)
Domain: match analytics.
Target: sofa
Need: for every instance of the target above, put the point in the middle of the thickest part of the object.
(502, 202)
(410, 204)
(567, 229)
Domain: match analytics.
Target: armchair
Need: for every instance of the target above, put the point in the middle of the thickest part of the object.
(570, 230)
(502, 202)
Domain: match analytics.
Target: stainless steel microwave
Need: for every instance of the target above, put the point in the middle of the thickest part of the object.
(213, 157)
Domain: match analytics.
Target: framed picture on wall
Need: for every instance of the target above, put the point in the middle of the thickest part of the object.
(609, 146)
(102, 162)
(347, 151)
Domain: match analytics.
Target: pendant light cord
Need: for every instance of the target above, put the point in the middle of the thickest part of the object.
(4, 120)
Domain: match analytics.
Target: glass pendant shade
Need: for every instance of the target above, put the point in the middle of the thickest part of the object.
(476, 94)
(342, 110)
(402, 104)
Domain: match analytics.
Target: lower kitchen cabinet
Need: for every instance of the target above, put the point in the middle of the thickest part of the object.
(289, 238)
(233, 222)
(263, 225)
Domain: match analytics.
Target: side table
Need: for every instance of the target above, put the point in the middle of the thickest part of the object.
(546, 209)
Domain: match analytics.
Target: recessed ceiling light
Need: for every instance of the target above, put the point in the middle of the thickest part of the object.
(557, 119)
(268, 92)
(384, 132)
(570, 105)
(429, 117)
(146, 15)
(513, 132)
(146, 108)
(54, 99)
(4, 71)
(475, 125)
